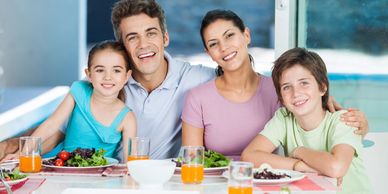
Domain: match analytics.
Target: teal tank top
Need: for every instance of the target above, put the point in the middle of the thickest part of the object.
(83, 130)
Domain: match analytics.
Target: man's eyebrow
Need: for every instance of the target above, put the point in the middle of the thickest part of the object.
(147, 30)
(152, 28)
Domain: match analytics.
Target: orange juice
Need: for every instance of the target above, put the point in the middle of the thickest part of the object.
(130, 158)
(30, 163)
(240, 190)
(192, 173)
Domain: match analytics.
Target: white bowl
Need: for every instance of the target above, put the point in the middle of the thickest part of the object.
(151, 172)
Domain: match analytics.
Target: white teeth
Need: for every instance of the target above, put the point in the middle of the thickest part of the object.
(229, 56)
(146, 55)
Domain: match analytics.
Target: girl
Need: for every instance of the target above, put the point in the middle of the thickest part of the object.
(97, 116)
(314, 139)
(226, 113)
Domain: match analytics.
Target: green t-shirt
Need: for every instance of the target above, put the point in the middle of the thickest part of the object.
(283, 130)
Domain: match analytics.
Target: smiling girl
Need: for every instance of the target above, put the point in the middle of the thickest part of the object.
(314, 139)
(97, 116)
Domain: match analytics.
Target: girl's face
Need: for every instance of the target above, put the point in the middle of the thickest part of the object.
(227, 45)
(107, 73)
(300, 91)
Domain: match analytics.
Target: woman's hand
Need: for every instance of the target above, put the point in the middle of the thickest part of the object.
(356, 118)
(353, 118)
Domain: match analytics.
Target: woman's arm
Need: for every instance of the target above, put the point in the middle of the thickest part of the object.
(334, 164)
(129, 131)
(191, 135)
(260, 150)
(353, 118)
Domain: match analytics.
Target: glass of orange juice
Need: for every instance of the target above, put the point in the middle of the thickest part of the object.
(29, 154)
(192, 164)
(138, 148)
(240, 178)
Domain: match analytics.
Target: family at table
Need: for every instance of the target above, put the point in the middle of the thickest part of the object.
(134, 88)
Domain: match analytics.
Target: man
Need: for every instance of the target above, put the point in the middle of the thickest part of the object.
(158, 84)
(156, 91)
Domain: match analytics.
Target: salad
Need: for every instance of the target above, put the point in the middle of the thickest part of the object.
(13, 175)
(79, 158)
(212, 159)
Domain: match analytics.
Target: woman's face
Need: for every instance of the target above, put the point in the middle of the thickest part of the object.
(227, 45)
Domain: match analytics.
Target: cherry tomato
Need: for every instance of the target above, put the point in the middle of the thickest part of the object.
(63, 155)
(59, 162)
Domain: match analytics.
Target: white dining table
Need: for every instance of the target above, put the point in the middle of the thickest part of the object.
(119, 185)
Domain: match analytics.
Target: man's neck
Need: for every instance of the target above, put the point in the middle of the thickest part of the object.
(151, 81)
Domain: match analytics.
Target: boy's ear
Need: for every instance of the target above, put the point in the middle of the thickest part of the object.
(324, 90)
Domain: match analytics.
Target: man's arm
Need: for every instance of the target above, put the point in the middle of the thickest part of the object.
(10, 146)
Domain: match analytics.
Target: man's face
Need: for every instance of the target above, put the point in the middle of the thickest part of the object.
(144, 42)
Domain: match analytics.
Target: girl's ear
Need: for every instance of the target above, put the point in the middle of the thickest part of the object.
(87, 73)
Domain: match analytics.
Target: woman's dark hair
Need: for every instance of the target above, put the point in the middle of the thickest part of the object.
(308, 60)
(113, 46)
(227, 15)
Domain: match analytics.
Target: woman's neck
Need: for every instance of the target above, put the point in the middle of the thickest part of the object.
(242, 79)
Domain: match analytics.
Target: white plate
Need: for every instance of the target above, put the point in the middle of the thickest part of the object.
(295, 176)
(111, 162)
(13, 182)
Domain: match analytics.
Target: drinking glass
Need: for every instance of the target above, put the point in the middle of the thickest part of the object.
(192, 164)
(240, 178)
(29, 154)
(138, 148)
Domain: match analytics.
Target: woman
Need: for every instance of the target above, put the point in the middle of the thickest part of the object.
(226, 113)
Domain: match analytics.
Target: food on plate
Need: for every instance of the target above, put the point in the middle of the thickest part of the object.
(78, 158)
(266, 174)
(13, 175)
(212, 159)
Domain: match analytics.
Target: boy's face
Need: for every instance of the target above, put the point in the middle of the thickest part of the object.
(144, 42)
(300, 91)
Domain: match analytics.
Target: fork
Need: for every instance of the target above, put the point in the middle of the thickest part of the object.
(7, 187)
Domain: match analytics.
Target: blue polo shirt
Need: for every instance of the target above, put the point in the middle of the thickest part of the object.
(158, 113)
